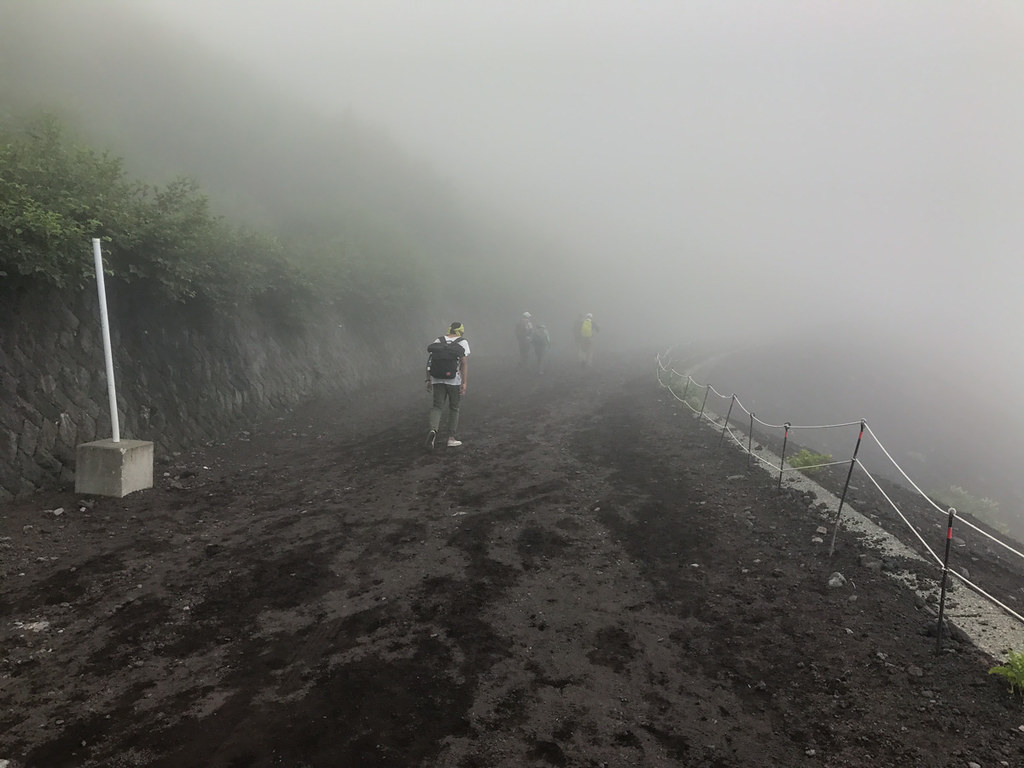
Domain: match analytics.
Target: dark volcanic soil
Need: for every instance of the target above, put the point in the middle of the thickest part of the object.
(588, 581)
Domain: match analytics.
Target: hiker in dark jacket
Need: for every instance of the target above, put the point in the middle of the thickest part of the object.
(450, 389)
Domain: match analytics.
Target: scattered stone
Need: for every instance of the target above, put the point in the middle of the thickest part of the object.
(870, 563)
(915, 671)
(836, 580)
(821, 530)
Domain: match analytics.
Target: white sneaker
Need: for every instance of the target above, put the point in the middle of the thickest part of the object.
(453, 443)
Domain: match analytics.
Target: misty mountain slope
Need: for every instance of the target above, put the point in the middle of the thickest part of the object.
(172, 108)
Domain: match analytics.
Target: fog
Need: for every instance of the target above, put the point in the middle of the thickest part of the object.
(762, 165)
(772, 174)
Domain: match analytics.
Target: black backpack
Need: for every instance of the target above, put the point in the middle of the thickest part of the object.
(444, 356)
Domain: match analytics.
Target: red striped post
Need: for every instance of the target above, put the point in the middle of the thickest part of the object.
(853, 461)
(782, 458)
(945, 573)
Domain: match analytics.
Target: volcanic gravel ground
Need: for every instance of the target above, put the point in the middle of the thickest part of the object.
(590, 580)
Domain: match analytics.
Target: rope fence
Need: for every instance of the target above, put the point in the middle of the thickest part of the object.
(693, 392)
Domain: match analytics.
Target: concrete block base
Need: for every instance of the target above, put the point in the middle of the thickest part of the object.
(106, 468)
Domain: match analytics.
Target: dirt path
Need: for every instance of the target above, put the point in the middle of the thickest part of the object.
(588, 581)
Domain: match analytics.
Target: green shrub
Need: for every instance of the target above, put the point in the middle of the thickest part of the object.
(806, 461)
(1013, 671)
(55, 196)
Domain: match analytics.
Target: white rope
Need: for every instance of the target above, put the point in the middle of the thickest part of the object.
(724, 424)
(766, 424)
(983, 593)
(809, 426)
(891, 502)
(743, 407)
(988, 535)
(763, 461)
(825, 426)
(673, 393)
(867, 427)
(724, 397)
(700, 386)
(736, 439)
(905, 475)
(705, 415)
(813, 466)
(694, 382)
(968, 523)
(681, 400)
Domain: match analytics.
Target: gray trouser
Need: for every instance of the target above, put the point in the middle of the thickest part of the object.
(451, 393)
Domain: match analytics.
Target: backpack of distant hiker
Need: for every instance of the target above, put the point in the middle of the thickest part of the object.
(587, 328)
(444, 357)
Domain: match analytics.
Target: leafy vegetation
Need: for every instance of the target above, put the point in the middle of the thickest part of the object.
(1012, 671)
(808, 462)
(56, 195)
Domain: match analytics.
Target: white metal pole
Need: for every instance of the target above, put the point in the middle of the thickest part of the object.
(108, 356)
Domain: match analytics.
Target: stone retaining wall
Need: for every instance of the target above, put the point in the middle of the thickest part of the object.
(183, 377)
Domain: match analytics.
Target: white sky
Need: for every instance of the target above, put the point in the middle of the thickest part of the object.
(858, 161)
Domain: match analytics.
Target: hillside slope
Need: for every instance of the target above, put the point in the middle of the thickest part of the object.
(265, 157)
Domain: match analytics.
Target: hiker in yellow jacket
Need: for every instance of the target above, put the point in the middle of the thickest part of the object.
(584, 333)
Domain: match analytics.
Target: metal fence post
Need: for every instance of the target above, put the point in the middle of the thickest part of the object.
(706, 393)
(782, 458)
(726, 425)
(853, 460)
(945, 572)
